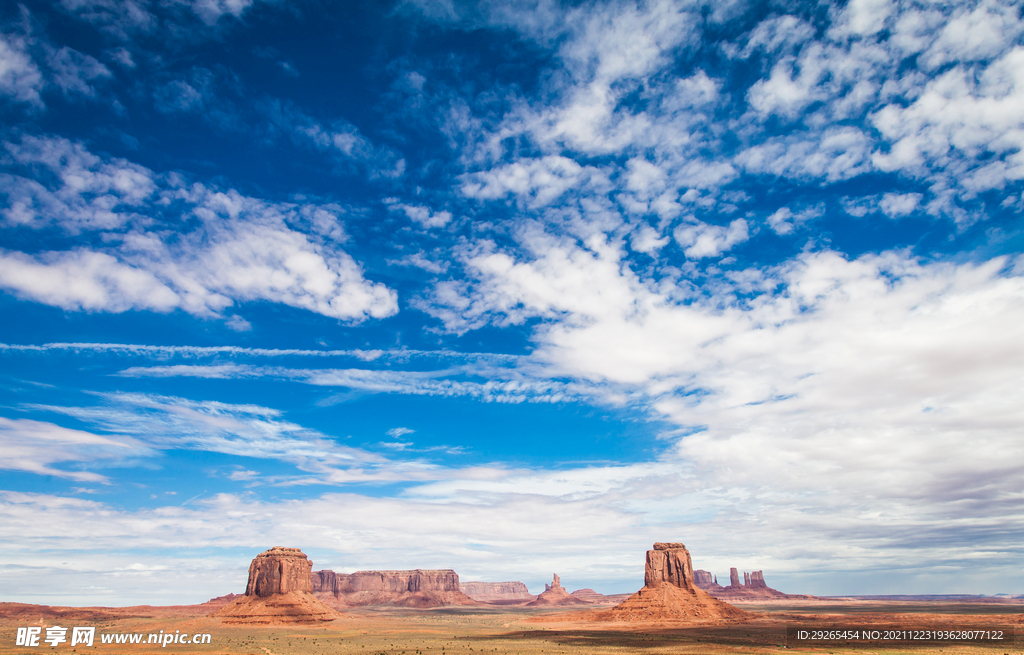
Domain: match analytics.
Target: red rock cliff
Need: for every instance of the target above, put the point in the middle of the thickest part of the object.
(416, 588)
(669, 562)
(278, 593)
(670, 593)
(279, 571)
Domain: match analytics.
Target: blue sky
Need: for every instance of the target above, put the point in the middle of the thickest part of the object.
(510, 288)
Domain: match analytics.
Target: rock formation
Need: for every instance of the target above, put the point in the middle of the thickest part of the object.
(670, 593)
(754, 587)
(278, 592)
(702, 578)
(497, 593)
(595, 598)
(278, 571)
(416, 588)
(555, 594)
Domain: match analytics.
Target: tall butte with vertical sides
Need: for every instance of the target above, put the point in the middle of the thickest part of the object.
(670, 593)
(278, 592)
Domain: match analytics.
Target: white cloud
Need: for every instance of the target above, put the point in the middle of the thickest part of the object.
(538, 181)
(92, 193)
(19, 76)
(895, 205)
(703, 240)
(500, 385)
(241, 249)
(120, 18)
(420, 261)
(74, 72)
(837, 154)
(973, 34)
(614, 91)
(162, 423)
(784, 220)
(163, 352)
(864, 17)
(961, 115)
(34, 446)
(84, 280)
(210, 11)
(784, 93)
(647, 240)
(774, 34)
(339, 138)
(424, 215)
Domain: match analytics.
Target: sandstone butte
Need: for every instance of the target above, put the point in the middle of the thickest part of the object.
(555, 595)
(278, 592)
(670, 593)
(504, 593)
(753, 587)
(416, 588)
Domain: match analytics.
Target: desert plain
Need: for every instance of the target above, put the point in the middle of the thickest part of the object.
(283, 612)
(504, 630)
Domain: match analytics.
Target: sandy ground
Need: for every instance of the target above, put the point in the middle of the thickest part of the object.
(503, 630)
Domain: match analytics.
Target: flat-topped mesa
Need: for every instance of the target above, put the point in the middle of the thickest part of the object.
(497, 592)
(757, 580)
(414, 588)
(669, 563)
(702, 578)
(278, 571)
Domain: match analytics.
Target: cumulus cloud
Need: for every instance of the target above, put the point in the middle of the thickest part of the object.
(647, 240)
(538, 181)
(895, 205)
(961, 115)
(90, 192)
(703, 240)
(84, 280)
(784, 220)
(424, 215)
(241, 249)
